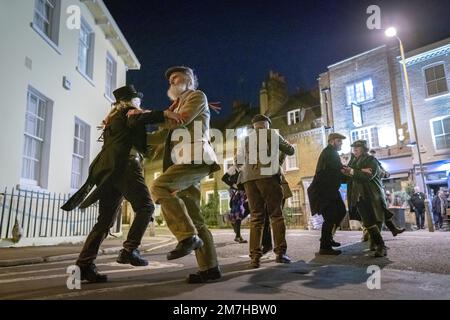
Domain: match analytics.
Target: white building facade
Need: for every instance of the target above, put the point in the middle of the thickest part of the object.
(60, 62)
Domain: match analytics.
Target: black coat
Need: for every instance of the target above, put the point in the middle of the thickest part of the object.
(326, 182)
(121, 134)
(417, 201)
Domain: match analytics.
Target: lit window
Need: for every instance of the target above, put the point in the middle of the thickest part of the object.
(370, 134)
(294, 202)
(441, 133)
(293, 116)
(291, 161)
(360, 91)
(224, 196)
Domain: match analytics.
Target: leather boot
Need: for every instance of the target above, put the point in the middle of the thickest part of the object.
(375, 237)
(393, 228)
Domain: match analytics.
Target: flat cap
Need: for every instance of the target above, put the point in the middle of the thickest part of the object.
(183, 69)
(261, 117)
(335, 135)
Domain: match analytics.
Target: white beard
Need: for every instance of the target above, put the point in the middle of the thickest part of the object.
(175, 91)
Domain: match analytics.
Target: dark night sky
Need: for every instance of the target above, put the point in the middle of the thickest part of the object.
(232, 45)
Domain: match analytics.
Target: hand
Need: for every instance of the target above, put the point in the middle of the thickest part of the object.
(177, 117)
(134, 112)
(215, 106)
(346, 170)
(174, 105)
(367, 171)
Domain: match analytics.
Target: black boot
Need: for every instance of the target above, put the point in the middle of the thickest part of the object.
(89, 272)
(375, 237)
(185, 247)
(209, 275)
(237, 230)
(393, 228)
(134, 258)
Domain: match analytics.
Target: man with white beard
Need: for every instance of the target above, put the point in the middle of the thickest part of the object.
(178, 188)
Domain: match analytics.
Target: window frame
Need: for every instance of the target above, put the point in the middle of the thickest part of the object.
(354, 84)
(292, 201)
(224, 195)
(84, 157)
(41, 177)
(52, 35)
(293, 112)
(208, 193)
(369, 135)
(113, 84)
(286, 165)
(434, 65)
(443, 134)
(88, 70)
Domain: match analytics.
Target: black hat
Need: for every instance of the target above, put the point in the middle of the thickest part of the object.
(360, 143)
(261, 117)
(183, 69)
(127, 93)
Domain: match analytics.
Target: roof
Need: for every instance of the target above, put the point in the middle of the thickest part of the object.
(310, 112)
(427, 52)
(106, 22)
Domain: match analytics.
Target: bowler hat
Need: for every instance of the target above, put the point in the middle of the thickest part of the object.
(126, 93)
(183, 69)
(261, 117)
(335, 135)
(360, 143)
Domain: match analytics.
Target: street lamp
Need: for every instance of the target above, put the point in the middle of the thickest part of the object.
(392, 32)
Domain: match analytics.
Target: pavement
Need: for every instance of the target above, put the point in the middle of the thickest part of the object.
(417, 267)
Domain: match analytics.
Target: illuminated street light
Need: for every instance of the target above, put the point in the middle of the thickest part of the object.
(392, 32)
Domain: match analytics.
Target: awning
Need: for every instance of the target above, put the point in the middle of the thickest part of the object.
(398, 176)
(397, 165)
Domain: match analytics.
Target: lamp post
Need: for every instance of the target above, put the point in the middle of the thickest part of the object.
(392, 32)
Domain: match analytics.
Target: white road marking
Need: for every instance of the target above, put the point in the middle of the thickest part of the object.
(151, 266)
(98, 292)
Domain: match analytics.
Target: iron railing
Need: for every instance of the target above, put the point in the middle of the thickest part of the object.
(39, 214)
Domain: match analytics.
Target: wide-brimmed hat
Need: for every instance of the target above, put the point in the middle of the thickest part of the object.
(186, 70)
(126, 93)
(261, 117)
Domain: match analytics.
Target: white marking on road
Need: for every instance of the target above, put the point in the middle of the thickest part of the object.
(151, 266)
(98, 292)
(154, 265)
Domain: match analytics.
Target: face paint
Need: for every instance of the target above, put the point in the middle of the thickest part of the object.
(136, 102)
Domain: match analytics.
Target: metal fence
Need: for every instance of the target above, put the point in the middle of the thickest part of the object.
(39, 215)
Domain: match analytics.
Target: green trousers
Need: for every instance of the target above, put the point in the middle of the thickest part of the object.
(177, 190)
